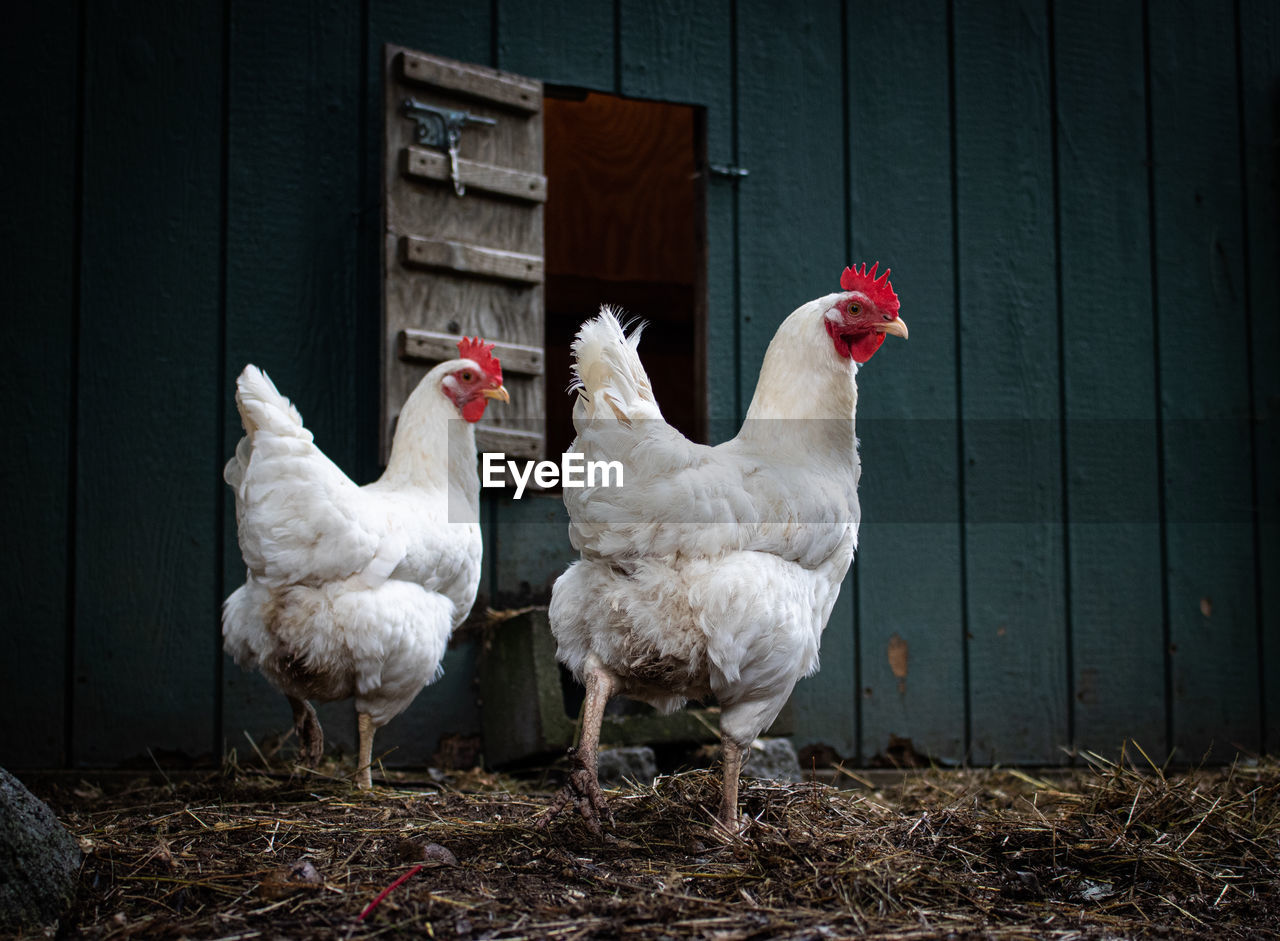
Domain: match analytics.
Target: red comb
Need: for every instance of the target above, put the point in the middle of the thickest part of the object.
(481, 353)
(878, 290)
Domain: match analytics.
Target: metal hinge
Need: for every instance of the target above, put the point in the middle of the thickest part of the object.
(441, 128)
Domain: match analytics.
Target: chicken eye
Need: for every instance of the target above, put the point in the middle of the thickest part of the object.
(855, 308)
(467, 375)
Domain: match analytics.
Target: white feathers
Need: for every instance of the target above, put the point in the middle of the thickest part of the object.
(263, 407)
(611, 381)
(714, 569)
(783, 486)
(350, 591)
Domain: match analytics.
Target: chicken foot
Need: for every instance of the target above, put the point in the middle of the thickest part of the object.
(306, 724)
(364, 767)
(582, 789)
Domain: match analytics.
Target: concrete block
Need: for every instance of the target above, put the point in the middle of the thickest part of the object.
(627, 763)
(773, 759)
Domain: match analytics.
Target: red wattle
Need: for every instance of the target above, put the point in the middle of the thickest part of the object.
(473, 411)
(864, 347)
(859, 347)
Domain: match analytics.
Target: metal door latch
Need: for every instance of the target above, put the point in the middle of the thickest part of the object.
(442, 129)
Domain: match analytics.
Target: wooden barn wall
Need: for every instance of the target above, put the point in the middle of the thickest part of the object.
(1070, 494)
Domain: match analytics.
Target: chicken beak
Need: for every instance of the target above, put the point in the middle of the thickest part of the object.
(499, 393)
(897, 326)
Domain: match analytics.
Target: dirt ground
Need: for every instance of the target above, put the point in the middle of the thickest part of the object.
(1115, 851)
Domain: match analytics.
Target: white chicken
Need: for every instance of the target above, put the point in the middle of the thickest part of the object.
(711, 571)
(354, 591)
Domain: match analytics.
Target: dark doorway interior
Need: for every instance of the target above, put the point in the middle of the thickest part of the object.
(625, 226)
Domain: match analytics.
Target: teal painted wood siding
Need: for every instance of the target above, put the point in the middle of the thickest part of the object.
(1071, 518)
(901, 211)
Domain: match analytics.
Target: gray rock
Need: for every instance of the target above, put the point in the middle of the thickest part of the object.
(627, 763)
(39, 859)
(775, 761)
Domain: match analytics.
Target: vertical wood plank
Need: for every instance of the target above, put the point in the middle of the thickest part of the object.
(292, 216)
(790, 238)
(1260, 70)
(458, 30)
(531, 548)
(40, 67)
(908, 567)
(1204, 368)
(670, 55)
(146, 580)
(792, 204)
(565, 43)
(1116, 603)
(673, 56)
(1010, 375)
(725, 409)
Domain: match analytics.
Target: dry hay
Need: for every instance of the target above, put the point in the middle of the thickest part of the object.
(1106, 853)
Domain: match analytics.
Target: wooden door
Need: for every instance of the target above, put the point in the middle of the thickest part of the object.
(462, 243)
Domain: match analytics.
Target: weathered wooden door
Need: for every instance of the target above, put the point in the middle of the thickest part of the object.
(463, 191)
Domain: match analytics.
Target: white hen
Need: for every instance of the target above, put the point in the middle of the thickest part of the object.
(712, 570)
(354, 591)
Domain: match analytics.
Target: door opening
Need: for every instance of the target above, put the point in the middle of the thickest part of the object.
(625, 225)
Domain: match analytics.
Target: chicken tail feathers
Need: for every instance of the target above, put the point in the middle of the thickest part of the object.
(608, 374)
(263, 408)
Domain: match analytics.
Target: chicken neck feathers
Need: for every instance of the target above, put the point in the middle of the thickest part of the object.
(777, 487)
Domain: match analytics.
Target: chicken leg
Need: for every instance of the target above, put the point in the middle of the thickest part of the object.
(583, 786)
(733, 753)
(310, 736)
(364, 770)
